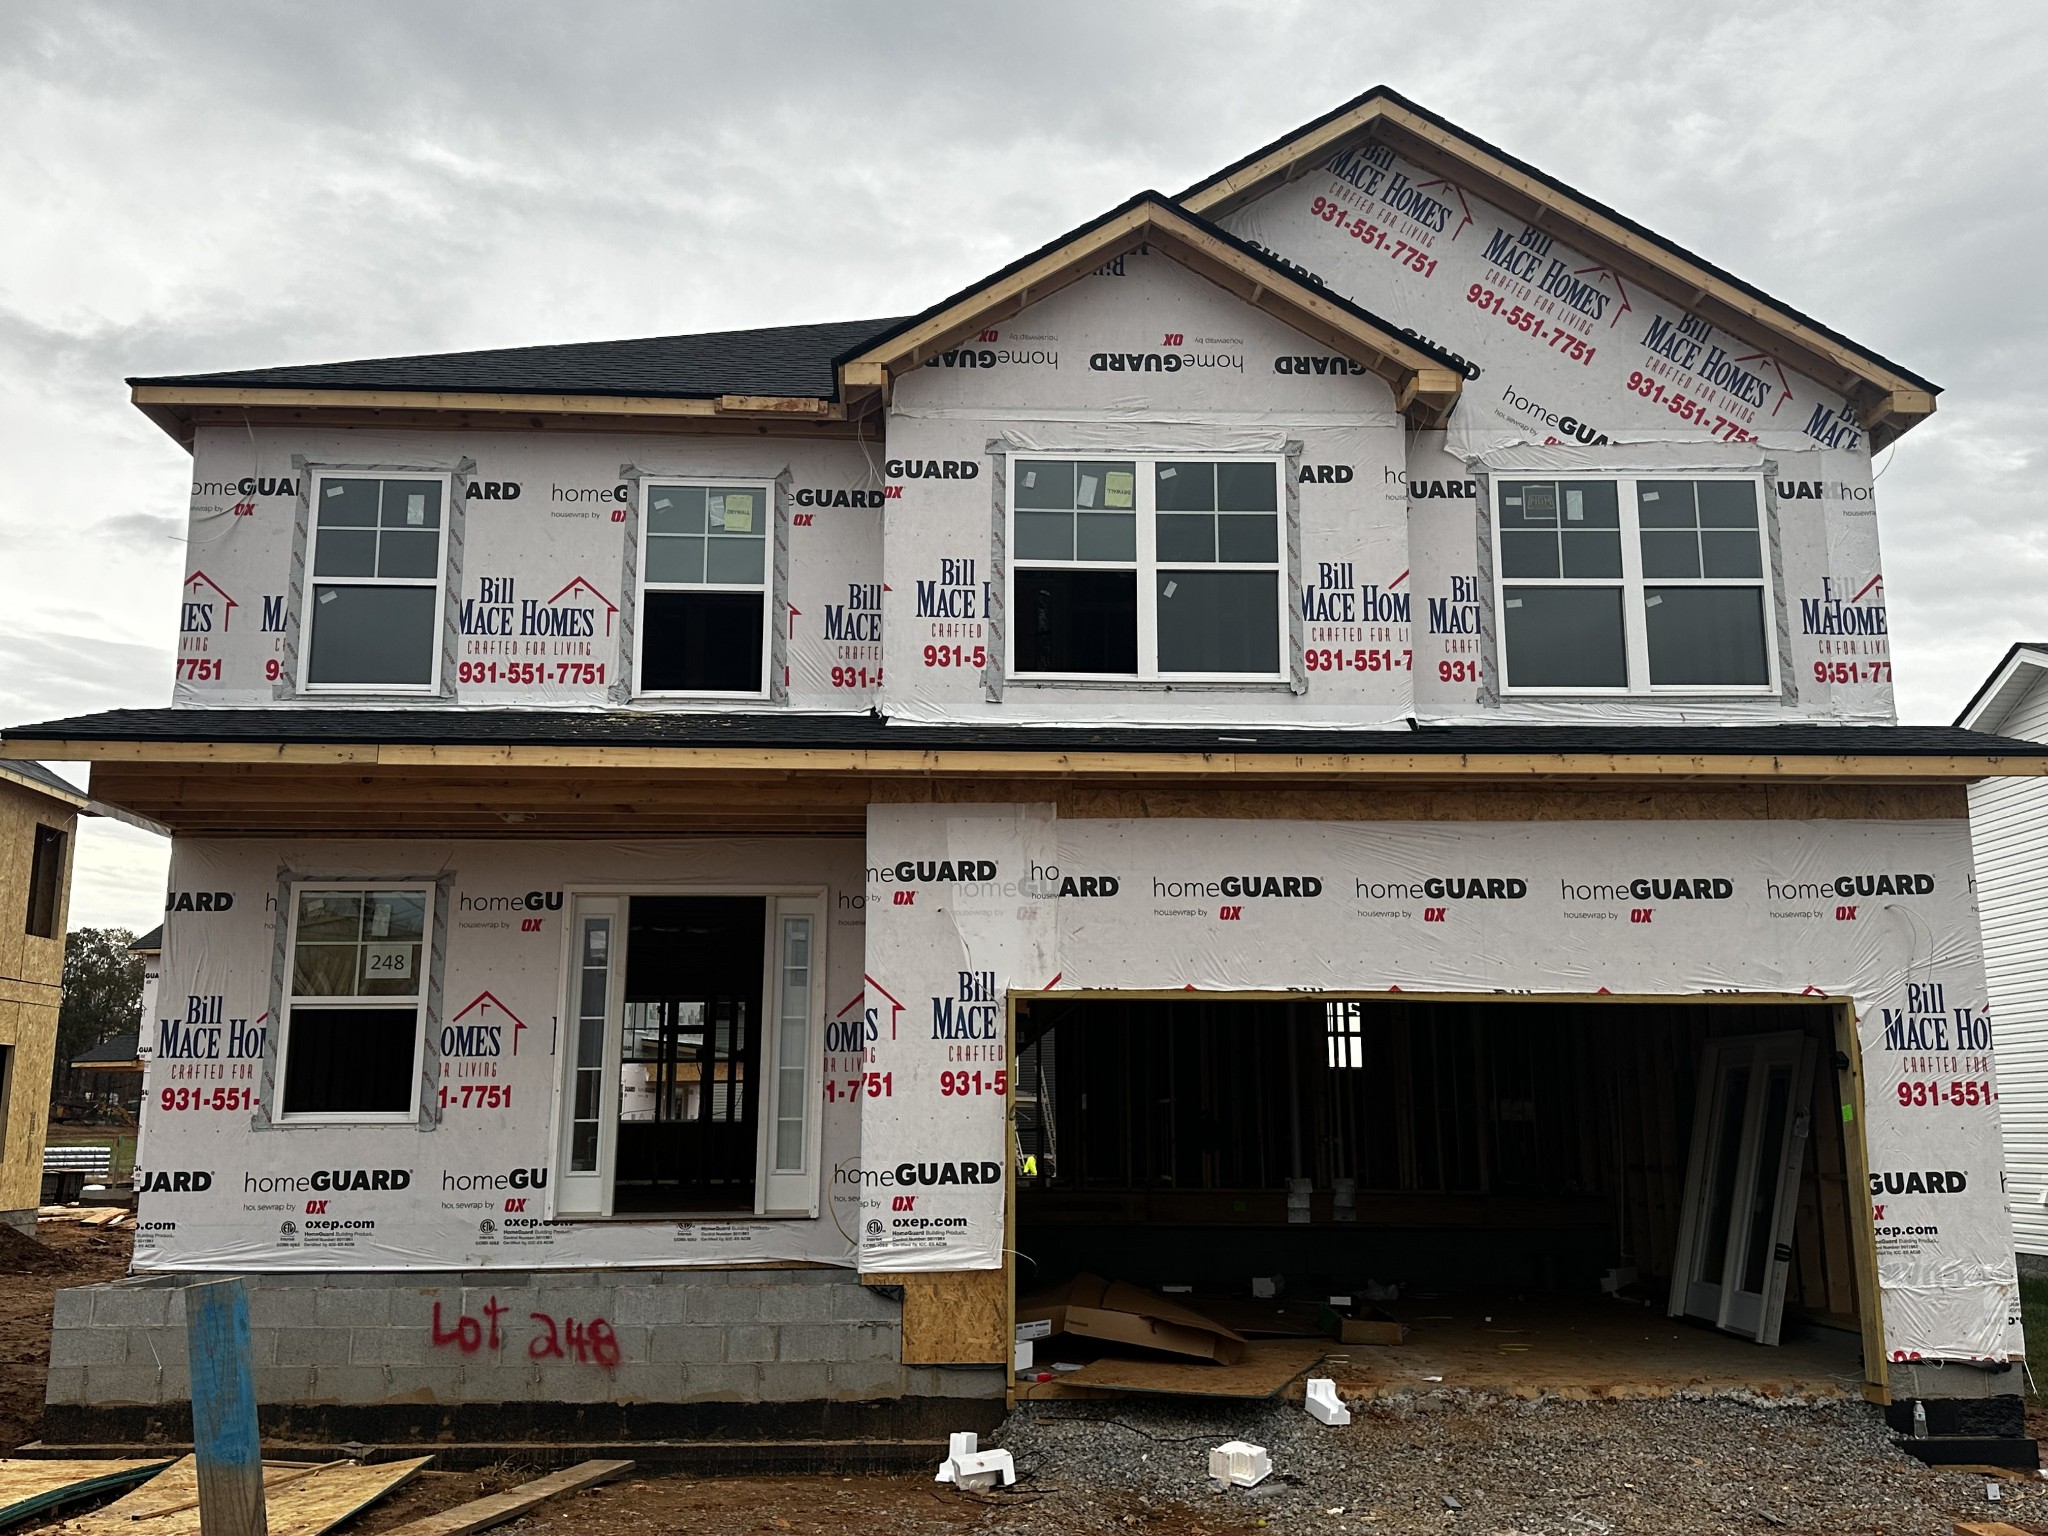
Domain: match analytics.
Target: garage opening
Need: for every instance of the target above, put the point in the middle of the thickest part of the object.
(1505, 1187)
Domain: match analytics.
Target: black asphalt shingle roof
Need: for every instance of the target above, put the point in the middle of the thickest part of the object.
(533, 727)
(115, 1050)
(778, 360)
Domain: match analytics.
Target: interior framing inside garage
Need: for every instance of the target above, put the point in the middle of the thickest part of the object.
(1508, 1154)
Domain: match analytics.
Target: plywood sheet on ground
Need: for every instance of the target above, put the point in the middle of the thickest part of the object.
(301, 1501)
(35, 1487)
(1605, 1349)
(1266, 1369)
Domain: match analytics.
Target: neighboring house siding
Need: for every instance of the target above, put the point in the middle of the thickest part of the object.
(2009, 827)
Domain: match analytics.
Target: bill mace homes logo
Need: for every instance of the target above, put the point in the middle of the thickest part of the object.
(206, 608)
(1430, 204)
(577, 612)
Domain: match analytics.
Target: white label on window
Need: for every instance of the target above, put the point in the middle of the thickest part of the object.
(1030, 478)
(716, 504)
(336, 490)
(739, 514)
(1651, 602)
(599, 938)
(1514, 602)
(1171, 587)
(415, 510)
(1650, 495)
(328, 596)
(661, 502)
(1575, 506)
(1087, 491)
(1168, 473)
(389, 962)
(1511, 501)
(380, 919)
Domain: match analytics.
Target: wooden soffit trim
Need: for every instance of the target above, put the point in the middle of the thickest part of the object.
(1887, 402)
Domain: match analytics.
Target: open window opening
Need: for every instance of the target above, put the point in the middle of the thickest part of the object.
(46, 883)
(1518, 1193)
(689, 1075)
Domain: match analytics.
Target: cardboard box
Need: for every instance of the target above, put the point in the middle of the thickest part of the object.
(1364, 1325)
(1116, 1312)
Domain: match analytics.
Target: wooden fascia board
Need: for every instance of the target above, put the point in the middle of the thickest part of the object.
(166, 404)
(1685, 282)
(980, 762)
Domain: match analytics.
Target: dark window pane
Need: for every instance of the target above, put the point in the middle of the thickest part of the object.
(1528, 554)
(1706, 636)
(1564, 637)
(350, 1061)
(45, 882)
(1670, 553)
(1112, 487)
(1594, 552)
(412, 504)
(1107, 536)
(674, 559)
(1591, 504)
(402, 552)
(1665, 504)
(1528, 504)
(675, 509)
(1185, 536)
(1730, 552)
(325, 970)
(345, 552)
(1045, 535)
(1219, 621)
(330, 917)
(1727, 503)
(1076, 621)
(1185, 487)
(372, 635)
(348, 503)
(1045, 483)
(1255, 537)
(1246, 488)
(701, 642)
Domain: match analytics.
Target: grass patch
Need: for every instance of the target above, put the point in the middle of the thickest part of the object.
(2034, 1318)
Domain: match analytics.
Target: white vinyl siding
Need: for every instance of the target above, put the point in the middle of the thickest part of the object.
(2009, 833)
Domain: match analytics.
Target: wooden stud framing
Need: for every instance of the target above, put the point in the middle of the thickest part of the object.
(1869, 1297)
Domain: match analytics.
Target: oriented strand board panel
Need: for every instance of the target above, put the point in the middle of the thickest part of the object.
(302, 1501)
(36, 1487)
(961, 1317)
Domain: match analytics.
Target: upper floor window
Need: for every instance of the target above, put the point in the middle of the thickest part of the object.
(1146, 568)
(46, 882)
(373, 618)
(703, 625)
(1633, 586)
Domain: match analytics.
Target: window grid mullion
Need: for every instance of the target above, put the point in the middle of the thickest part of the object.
(1147, 503)
(1635, 618)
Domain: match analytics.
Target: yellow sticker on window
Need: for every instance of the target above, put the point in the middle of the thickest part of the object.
(739, 513)
(1118, 486)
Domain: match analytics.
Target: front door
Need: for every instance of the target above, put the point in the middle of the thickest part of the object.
(1750, 1129)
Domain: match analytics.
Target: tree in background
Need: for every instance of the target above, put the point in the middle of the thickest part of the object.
(102, 991)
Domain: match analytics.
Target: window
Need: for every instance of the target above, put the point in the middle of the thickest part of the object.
(1633, 586)
(1146, 568)
(704, 589)
(354, 998)
(374, 617)
(45, 882)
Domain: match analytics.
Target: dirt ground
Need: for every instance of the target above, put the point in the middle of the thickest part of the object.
(31, 1274)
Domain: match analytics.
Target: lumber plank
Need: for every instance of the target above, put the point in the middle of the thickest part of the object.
(482, 1514)
(1988, 1528)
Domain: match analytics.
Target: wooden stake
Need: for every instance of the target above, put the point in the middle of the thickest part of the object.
(224, 1440)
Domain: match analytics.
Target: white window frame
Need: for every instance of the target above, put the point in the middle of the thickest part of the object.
(309, 603)
(765, 484)
(1632, 585)
(784, 1194)
(1146, 565)
(292, 1002)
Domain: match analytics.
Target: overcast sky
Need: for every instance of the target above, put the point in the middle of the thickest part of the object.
(203, 186)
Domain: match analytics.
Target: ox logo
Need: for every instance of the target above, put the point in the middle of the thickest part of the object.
(903, 1203)
(1640, 914)
(1845, 914)
(316, 1208)
(1230, 915)
(516, 1204)
(905, 898)
(1435, 914)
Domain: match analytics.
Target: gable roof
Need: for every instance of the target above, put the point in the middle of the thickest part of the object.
(1425, 379)
(1888, 399)
(26, 773)
(2010, 681)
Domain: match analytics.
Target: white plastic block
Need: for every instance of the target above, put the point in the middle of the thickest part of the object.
(1240, 1463)
(1323, 1403)
(1025, 1351)
(982, 1470)
(957, 1446)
